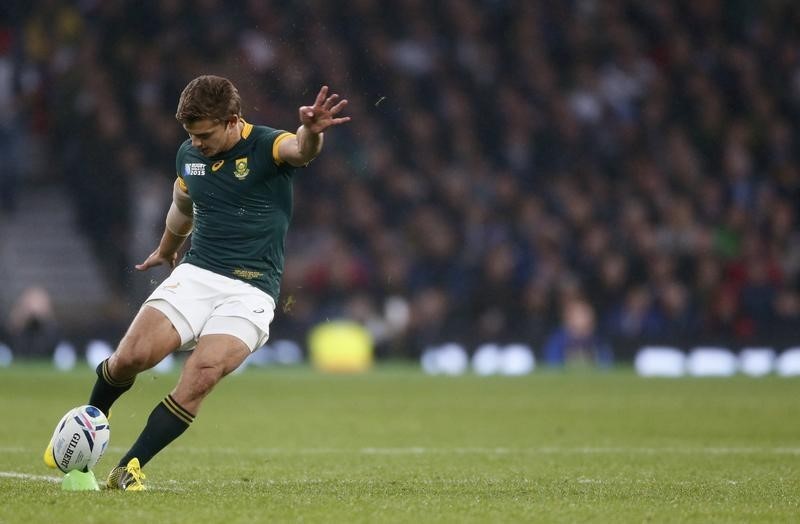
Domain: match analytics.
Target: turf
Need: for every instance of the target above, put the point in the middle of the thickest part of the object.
(394, 445)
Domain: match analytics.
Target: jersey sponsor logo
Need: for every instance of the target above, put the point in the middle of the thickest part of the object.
(246, 274)
(216, 165)
(241, 170)
(194, 169)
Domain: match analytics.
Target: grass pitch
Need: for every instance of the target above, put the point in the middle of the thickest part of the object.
(394, 445)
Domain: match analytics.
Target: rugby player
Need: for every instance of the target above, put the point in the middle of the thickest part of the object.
(233, 195)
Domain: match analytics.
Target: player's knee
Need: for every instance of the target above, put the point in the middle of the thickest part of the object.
(206, 377)
(132, 356)
(127, 364)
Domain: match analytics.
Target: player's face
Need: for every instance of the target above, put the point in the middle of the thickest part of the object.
(209, 136)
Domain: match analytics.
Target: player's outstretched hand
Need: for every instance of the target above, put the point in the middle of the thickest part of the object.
(157, 259)
(322, 114)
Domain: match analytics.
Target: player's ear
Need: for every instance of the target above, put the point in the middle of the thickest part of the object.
(232, 121)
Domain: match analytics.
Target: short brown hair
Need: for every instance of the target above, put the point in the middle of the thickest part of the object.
(208, 97)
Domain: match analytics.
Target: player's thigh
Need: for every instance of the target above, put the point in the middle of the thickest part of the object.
(149, 339)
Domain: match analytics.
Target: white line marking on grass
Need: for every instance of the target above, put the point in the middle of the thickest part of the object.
(582, 480)
(393, 451)
(181, 486)
(164, 485)
(25, 476)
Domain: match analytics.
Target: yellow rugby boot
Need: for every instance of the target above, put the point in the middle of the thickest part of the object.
(49, 460)
(127, 478)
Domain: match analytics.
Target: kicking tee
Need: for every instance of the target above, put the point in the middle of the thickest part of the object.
(242, 207)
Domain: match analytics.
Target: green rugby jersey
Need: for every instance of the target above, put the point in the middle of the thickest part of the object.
(242, 207)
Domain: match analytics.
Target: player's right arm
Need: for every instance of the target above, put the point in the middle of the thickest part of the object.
(302, 147)
(180, 219)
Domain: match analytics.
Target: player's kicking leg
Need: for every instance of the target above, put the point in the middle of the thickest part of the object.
(214, 357)
(150, 338)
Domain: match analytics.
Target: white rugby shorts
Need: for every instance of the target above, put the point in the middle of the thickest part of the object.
(199, 302)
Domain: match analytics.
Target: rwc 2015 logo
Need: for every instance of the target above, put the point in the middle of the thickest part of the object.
(194, 169)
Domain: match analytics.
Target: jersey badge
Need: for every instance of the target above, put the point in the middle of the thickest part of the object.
(241, 170)
(216, 165)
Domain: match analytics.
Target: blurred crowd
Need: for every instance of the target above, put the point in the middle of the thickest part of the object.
(584, 176)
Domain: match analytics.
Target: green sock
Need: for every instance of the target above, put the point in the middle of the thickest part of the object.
(107, 390)
(166, 423)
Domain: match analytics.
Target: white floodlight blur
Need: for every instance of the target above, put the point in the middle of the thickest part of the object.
(447, 359)
(757, 361)
(97, 351)
(453, 359)
(6, 356)
(486, 359)
(710, 361)
(64, 356)
(516, 360)
(166, 365)
(788, 363)
(262, 356)
(287, 352)
(660, 361)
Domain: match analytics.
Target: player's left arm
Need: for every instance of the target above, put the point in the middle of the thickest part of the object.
(179, 223)
(303, 147)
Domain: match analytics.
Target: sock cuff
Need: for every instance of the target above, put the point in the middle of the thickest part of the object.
(177, 410)
(102, 372)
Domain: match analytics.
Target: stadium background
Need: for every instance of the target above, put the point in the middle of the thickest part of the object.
(594, 175)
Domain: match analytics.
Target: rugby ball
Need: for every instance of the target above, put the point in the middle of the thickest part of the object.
(80, 438)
